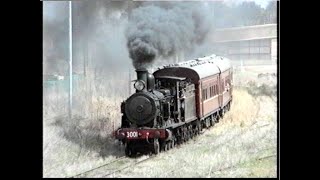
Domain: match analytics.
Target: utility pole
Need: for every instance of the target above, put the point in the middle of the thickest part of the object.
(129, 8)
(129, 88)
(70, 59)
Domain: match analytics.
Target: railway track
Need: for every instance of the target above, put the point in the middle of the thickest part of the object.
(128, 166)
(110, 168)
(84, 174)
(107, 170)
(55, 117)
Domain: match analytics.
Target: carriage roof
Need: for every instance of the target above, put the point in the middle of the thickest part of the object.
(196, 69)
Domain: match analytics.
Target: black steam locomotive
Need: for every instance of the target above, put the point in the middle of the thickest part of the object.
(174, 103)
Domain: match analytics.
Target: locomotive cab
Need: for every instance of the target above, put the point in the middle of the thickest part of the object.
(176, 87)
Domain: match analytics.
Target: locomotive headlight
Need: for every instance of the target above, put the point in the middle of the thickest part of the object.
(139, 85)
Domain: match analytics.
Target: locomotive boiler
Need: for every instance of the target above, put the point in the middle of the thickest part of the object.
(174, 103)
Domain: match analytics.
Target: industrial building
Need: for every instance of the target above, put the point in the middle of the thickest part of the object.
(247, 44)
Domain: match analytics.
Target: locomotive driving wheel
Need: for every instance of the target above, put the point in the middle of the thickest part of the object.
(170, 145)
(173, 143)
(156, 146)
(166, 147)
(192, 133)
(129, 151)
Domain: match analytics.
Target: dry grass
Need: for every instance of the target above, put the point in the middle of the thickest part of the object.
(74, 145)
(230, 149)
(243, 144)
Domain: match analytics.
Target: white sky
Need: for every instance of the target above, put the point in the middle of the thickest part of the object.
(262, 3)
(49, 6)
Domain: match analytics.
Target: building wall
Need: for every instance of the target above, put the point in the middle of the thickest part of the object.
(245, 33)
(274, 49)
(259, 49)
(257, 44)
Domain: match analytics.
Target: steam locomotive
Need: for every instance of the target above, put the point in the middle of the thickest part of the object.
(175, 103)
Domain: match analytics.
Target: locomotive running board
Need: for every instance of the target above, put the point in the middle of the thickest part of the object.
(179, 124)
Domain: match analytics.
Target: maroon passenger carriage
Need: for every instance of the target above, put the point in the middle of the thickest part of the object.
(174, 103)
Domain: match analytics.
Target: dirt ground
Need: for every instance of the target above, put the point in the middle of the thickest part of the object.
(243, 144)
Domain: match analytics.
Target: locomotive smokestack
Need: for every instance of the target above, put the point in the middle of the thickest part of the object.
(142, 76)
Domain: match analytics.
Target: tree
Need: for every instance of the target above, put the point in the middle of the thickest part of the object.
(234, 15)
(271, 12)
(249, 12)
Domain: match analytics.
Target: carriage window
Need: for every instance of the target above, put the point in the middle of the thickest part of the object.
(215, 90)
(206, 95)
(212, 91)
(203, 97)
(222, 86)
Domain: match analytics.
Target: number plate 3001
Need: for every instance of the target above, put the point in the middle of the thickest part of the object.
(132, 134)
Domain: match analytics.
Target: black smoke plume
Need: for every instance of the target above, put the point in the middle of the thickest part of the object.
(160, 30)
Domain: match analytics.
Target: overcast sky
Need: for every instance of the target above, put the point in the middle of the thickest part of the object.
(50, 6)
(262, 3)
